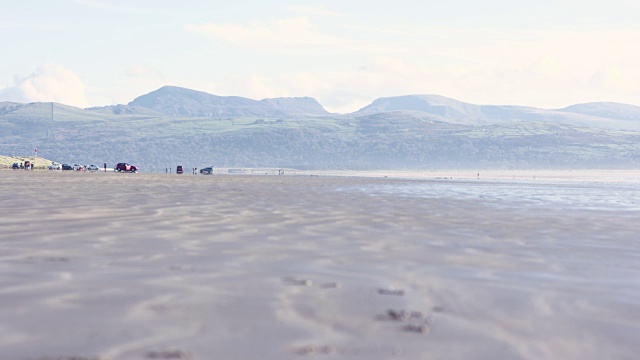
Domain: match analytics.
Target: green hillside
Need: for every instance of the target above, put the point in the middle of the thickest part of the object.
(415, 132)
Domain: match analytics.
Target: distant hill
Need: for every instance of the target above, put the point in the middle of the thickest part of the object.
(124, 110)
(44, 111)
(432, 104)
(445, 109)
(177, 101)
(606, 110)
(296, 105)
(174, 125)
(440, 108)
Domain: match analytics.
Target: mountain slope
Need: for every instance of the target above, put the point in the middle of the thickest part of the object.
(606, 110)
(296, 105)
(176, 101)
(432, 104)
(599, 115)
(450, 110)
(408, 132)
(39, 111)
(125, 110)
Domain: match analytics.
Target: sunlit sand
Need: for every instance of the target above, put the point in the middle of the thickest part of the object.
(155, 266)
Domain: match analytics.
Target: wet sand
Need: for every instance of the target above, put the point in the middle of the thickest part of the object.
(142, 266)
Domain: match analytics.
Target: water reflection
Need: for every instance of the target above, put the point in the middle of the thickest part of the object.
(584, 196)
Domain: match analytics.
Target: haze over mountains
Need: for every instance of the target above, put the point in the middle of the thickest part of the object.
(177, 125)
(602, 115)
(175, 101)
(181, 102)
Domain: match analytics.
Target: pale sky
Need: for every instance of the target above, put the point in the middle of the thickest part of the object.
(541, 53)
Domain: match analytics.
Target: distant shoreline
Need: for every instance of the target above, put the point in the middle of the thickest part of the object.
(570, 175)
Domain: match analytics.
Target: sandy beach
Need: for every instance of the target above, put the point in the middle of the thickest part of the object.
(152, 266)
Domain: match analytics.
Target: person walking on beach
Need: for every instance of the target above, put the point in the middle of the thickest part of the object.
(105, 167)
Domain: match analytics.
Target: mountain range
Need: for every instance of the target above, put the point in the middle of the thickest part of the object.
(181, 102)
(177, 125)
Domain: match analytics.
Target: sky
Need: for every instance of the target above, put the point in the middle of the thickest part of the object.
(345, 54)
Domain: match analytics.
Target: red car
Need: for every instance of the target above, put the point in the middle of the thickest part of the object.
(125, 167)
(179, 169)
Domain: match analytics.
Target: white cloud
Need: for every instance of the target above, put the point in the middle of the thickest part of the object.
(50, 82)
(550, 68)
(296, 31)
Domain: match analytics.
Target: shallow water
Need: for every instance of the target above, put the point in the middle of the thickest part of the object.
(532, 194)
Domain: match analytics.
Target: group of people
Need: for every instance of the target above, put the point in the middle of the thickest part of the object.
(26, 166)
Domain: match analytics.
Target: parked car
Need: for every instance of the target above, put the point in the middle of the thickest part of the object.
(125, 167)
(55, 166)
(92, 168)
(207, 170)
(179, 169)
(15, 166)
(67, 167)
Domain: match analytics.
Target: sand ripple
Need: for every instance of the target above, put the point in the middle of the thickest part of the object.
(139, 266)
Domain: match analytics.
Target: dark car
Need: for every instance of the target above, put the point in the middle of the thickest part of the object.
(207, 170)
(179, 169)
(125, 167)
(67, 167)
(15, 166)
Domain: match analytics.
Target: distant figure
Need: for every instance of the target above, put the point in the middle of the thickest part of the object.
(478, 175)
(105, 167)
(21, 166)
(166, 170)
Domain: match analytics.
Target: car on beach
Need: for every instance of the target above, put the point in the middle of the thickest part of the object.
(92, 168)
(55, 166)
(15, 166)
(67, 167)
(207, 170)
(179, 169)
(125, 167)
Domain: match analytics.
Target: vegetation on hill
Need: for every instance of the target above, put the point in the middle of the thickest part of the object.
(396, 133)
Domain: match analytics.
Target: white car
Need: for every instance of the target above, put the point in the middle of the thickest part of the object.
(92, 168)
(55, 166)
